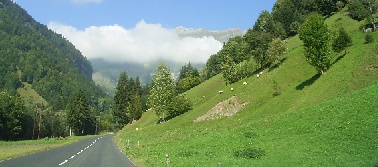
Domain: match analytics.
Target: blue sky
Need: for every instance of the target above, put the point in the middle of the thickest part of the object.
(141, 30)
(208, 14)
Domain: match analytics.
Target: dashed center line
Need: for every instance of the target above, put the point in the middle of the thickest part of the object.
(73, 156)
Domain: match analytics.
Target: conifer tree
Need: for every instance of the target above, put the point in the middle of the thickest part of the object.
(122, 99)
(79, 114)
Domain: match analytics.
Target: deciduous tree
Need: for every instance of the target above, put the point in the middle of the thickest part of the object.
(162, 91)
(315, 36)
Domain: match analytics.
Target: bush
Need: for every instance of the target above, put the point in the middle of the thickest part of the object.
(369, 38)
(342, 41)
(179, 106)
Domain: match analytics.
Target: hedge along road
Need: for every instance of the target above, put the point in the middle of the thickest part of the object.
(98, 151)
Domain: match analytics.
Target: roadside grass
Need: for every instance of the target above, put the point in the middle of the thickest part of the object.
(12, 149)
(328, 120)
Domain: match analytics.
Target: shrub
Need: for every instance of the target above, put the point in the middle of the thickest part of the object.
(341, 41)
(369, 38)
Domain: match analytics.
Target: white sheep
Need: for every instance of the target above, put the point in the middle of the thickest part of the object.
(261, 73)
(244, 83)
(232, 89)
(221, 91)
(258, 75)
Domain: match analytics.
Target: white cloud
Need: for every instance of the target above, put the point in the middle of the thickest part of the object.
(142, 44)
(85, 1)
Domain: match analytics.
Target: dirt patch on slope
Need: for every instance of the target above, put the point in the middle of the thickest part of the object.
(225, 108)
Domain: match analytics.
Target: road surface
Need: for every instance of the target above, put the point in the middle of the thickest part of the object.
(98, 151)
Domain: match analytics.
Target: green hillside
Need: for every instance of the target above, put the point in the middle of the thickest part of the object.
(33, 54)
(316, 120)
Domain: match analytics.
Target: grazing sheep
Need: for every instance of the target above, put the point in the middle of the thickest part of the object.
(221, 91)
(232, 89)
(258, 76)
(203, 96)
(244, 83)
(261, 73)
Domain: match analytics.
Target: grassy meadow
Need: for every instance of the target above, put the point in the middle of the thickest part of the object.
(316, 120)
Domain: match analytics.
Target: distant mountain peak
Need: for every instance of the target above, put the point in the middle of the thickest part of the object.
(219, 35)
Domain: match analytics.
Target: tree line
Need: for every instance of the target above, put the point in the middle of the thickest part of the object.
(264, 45)
(164, 95)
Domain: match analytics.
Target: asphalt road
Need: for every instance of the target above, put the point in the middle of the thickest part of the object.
(94, 152)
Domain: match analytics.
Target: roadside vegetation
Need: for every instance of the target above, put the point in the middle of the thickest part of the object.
(12, 149)
(292, 116)
(298, 89)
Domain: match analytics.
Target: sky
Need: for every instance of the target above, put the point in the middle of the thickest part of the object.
(141, 30)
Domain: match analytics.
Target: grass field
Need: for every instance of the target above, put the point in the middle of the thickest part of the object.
(30, 95)
(11, 149)
(317, 120)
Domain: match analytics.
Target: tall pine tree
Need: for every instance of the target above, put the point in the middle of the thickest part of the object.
(79, 115)
(122, 99)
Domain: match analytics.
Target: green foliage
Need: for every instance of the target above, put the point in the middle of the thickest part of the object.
(122, 100)
(162, 91)
(277, 48)
(291, 13)
(340, 5)
(369, 38)
(14, 118)
(127, 102)
(135, 107)
(188, 78)
(232, 72)
(53, 123)
(258, 44)
(360, 9)
(266, 23)
(180, 105)
(80, 116)
(213, 65)
(315, 36)
(236, 48)
(341, 41)
(228, 70)
(42, 58)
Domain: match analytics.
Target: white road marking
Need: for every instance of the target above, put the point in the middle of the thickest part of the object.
(73, 156)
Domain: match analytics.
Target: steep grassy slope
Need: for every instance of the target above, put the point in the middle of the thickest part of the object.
(328, 120)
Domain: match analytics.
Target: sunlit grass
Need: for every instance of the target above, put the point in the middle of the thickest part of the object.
(327, 120)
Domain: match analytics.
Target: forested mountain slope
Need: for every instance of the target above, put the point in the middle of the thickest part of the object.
(32, 53)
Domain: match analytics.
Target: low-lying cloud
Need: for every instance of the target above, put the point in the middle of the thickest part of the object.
(142, 44)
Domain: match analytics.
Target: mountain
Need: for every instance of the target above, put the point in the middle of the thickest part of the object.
(106, 73)
(219, 35)
(32, 54)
